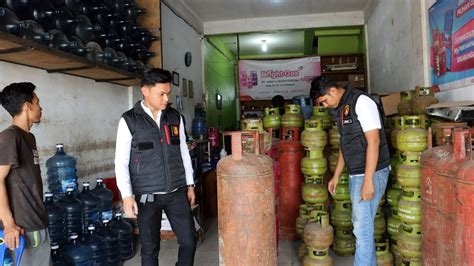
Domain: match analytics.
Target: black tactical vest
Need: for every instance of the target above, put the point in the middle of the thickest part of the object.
(155, 164)
(353, 142)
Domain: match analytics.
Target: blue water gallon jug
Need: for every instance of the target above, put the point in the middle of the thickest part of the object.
(112, 243)
(90, 212)
(61, 171)
(125, 233)
(7, 258)
(56, 220)
(80, 254)
(97, 245)
(58, 257)
(73, 212)
(199, 128)
(105, 196)
(306, 105)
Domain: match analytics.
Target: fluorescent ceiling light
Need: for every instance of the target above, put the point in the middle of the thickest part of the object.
(264, 45)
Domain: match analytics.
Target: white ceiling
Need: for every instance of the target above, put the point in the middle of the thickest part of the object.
(215, 10)
(281, 22)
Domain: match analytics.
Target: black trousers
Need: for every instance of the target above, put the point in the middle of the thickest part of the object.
(178, 211)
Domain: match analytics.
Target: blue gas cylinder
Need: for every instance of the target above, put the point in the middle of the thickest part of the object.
(306, 105)
(61, 171)
(80, 254)
(56, 220)
(125, 233)
(199, 128)
(97, 245)
(112, 243)
(90, 212)
(106, 197)
(58, 257)
(73, 212)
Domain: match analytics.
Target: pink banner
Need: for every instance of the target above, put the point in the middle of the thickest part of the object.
(261, 80)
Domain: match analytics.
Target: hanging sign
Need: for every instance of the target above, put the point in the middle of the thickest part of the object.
(452, 43)
(263, 79)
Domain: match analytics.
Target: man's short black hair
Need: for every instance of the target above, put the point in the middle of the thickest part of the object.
(324, 85)
(155, 75)
(15, 95)
(278, 101)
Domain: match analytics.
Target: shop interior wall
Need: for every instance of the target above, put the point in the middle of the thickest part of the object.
(398, 48)
(220, 78)
(78, 112)
(178, 38)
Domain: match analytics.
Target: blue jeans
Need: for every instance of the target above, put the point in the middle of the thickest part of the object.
(363, 216)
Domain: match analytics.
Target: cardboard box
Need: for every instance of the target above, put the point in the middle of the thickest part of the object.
(390, 103)
(357, 80)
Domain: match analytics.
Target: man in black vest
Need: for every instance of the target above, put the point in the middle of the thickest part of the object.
(154, 171)
(364, 150)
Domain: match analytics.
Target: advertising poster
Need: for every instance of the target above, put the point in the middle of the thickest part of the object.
(452, 43)
(263, 79)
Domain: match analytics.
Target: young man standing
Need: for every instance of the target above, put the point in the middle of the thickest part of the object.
(22, 211)
(154, 170)
(364, 150)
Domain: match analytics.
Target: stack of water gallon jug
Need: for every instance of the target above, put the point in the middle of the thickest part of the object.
(82, 226)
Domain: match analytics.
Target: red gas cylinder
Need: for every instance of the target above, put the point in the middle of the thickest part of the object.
(290, 155)
(429, 187)
(446, 195)
(213, 136)
(290, 133)
(464, 241)
(246, 207)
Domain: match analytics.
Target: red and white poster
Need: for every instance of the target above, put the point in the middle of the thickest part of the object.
(263, 79)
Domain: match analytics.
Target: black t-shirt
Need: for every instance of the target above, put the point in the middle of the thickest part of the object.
(24, 184)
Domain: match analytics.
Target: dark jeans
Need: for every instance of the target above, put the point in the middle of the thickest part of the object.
(178, 211)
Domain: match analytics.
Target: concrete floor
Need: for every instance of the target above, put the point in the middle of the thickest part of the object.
(207, 253)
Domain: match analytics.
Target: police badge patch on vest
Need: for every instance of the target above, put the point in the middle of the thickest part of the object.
(345, 113)
(172, 134)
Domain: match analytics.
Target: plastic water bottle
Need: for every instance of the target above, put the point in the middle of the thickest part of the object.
(105, 196)
(112, 244)
(90, 212)
(61, 171)
(97, 245)
(80, 254)
(74, 212)
(125, 233)
(7, 259)
(56, 220)
(58, 258)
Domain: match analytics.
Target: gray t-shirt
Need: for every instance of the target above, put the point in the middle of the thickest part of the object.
(24, 184)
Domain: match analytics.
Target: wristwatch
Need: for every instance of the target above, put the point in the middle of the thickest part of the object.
(192, 185)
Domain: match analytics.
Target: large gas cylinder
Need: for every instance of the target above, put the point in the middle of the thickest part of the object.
(321, 113)
(413, 137)
(446, 196)
(465, 213)
(442, 132)
(272, 118)
(290, 154)
(341, 214)
(314, 137)
(292, 116)
(314, 163)
(246, 207)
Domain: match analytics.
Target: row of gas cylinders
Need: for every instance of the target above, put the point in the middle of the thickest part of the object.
(108, 243)
(447, 186)
(292, 118)
(409, 137)
(415, 101)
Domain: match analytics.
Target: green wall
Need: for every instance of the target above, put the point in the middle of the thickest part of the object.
(220, 77)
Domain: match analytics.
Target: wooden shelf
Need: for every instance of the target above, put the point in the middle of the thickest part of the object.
(16, 50)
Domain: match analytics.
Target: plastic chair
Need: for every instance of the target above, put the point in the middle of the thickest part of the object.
(3, 248)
